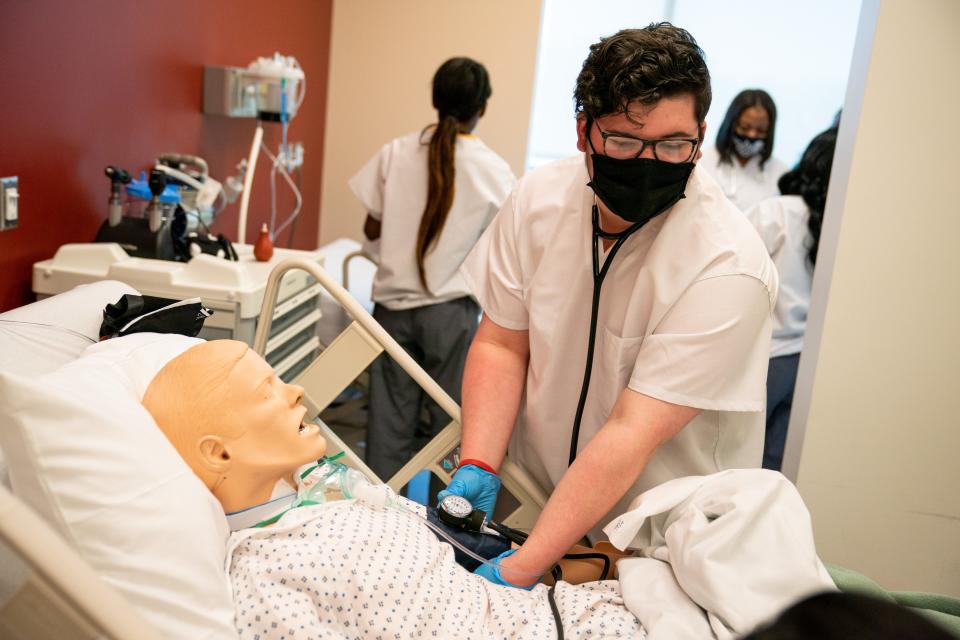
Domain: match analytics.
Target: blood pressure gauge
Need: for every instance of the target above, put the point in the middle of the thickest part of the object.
(458, 512)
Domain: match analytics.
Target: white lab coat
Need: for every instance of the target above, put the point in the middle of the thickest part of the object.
(684, 317)
(393, 188)
(782, 225)
(745, 185)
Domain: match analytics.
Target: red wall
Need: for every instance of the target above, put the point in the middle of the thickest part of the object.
(98, 82)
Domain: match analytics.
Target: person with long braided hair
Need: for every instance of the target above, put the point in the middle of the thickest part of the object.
(790, 228)
(429, 197)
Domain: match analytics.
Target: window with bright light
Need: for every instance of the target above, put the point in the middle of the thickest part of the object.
(799, 52)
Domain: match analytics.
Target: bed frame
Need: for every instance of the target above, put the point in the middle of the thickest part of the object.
(59, 596)
(50, 593)
(348, 356)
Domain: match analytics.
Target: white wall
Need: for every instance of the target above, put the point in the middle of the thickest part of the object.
(382, 60)
(876, 407)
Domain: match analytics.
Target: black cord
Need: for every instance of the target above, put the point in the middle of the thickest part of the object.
(592, 556)
(513, 535)
(599, 273)
(520, 537)
(556, 612)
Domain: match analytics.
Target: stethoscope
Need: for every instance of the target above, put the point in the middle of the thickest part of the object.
(599, 273)
(457, 512)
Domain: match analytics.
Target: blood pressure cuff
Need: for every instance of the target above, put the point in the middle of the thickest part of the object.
(485, 545)
(139, 314)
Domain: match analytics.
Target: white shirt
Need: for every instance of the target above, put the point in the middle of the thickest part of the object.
(782, 224)
(393, 188)
(684, 317)
(747, 184)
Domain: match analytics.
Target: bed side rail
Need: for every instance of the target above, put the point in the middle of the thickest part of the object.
(60, 595)
(348, 356)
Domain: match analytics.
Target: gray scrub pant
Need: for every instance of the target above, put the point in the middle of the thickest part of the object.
(437, 336)
(781, 379)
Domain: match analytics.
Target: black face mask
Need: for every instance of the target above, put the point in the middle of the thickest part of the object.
(639, 189)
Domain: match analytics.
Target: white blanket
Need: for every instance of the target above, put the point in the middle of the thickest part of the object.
(348, 570)
(720, 554)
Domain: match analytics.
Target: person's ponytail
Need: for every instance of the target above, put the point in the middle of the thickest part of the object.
(441, 171)
(461, 87)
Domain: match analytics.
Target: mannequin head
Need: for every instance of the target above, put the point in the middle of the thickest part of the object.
(235, 423)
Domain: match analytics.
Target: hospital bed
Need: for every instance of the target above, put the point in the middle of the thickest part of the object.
(48, 591)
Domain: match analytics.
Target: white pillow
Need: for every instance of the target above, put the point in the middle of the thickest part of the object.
(85, 453)
(41, 336)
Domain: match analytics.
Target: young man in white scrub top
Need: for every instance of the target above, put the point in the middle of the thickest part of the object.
(632, 239)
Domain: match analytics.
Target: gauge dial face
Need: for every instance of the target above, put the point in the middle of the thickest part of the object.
(457, 506)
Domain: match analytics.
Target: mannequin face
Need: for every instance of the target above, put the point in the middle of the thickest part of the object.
(235, 423)
(271, 437)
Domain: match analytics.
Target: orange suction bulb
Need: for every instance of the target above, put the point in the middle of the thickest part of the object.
(263, 249)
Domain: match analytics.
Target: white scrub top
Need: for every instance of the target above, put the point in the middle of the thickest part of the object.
(684, 317)
(393, 188)
(745, 185)
(782, 224)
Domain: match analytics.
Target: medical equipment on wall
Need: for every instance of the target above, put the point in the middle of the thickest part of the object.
(166, 215)
(271, 89)
(279, 86)
(148, 228)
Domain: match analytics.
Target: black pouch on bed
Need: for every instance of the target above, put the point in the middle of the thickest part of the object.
(139, 314)
(485, 545)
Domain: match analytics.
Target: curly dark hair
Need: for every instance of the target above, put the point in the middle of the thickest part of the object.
(643, 65)
(809, 180)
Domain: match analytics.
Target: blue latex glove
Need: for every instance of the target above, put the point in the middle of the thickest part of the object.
(476, 485)
(492, 573)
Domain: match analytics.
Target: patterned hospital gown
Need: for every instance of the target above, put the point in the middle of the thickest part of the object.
(348, 570)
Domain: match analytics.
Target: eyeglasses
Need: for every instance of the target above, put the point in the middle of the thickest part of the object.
(673, 150)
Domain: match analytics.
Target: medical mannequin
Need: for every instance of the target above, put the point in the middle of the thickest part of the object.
(241, 431)
(238, 427)
(742, 160)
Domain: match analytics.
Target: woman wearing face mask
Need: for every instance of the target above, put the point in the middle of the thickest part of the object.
(790, 228)
(429, 195)
(742, 160)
